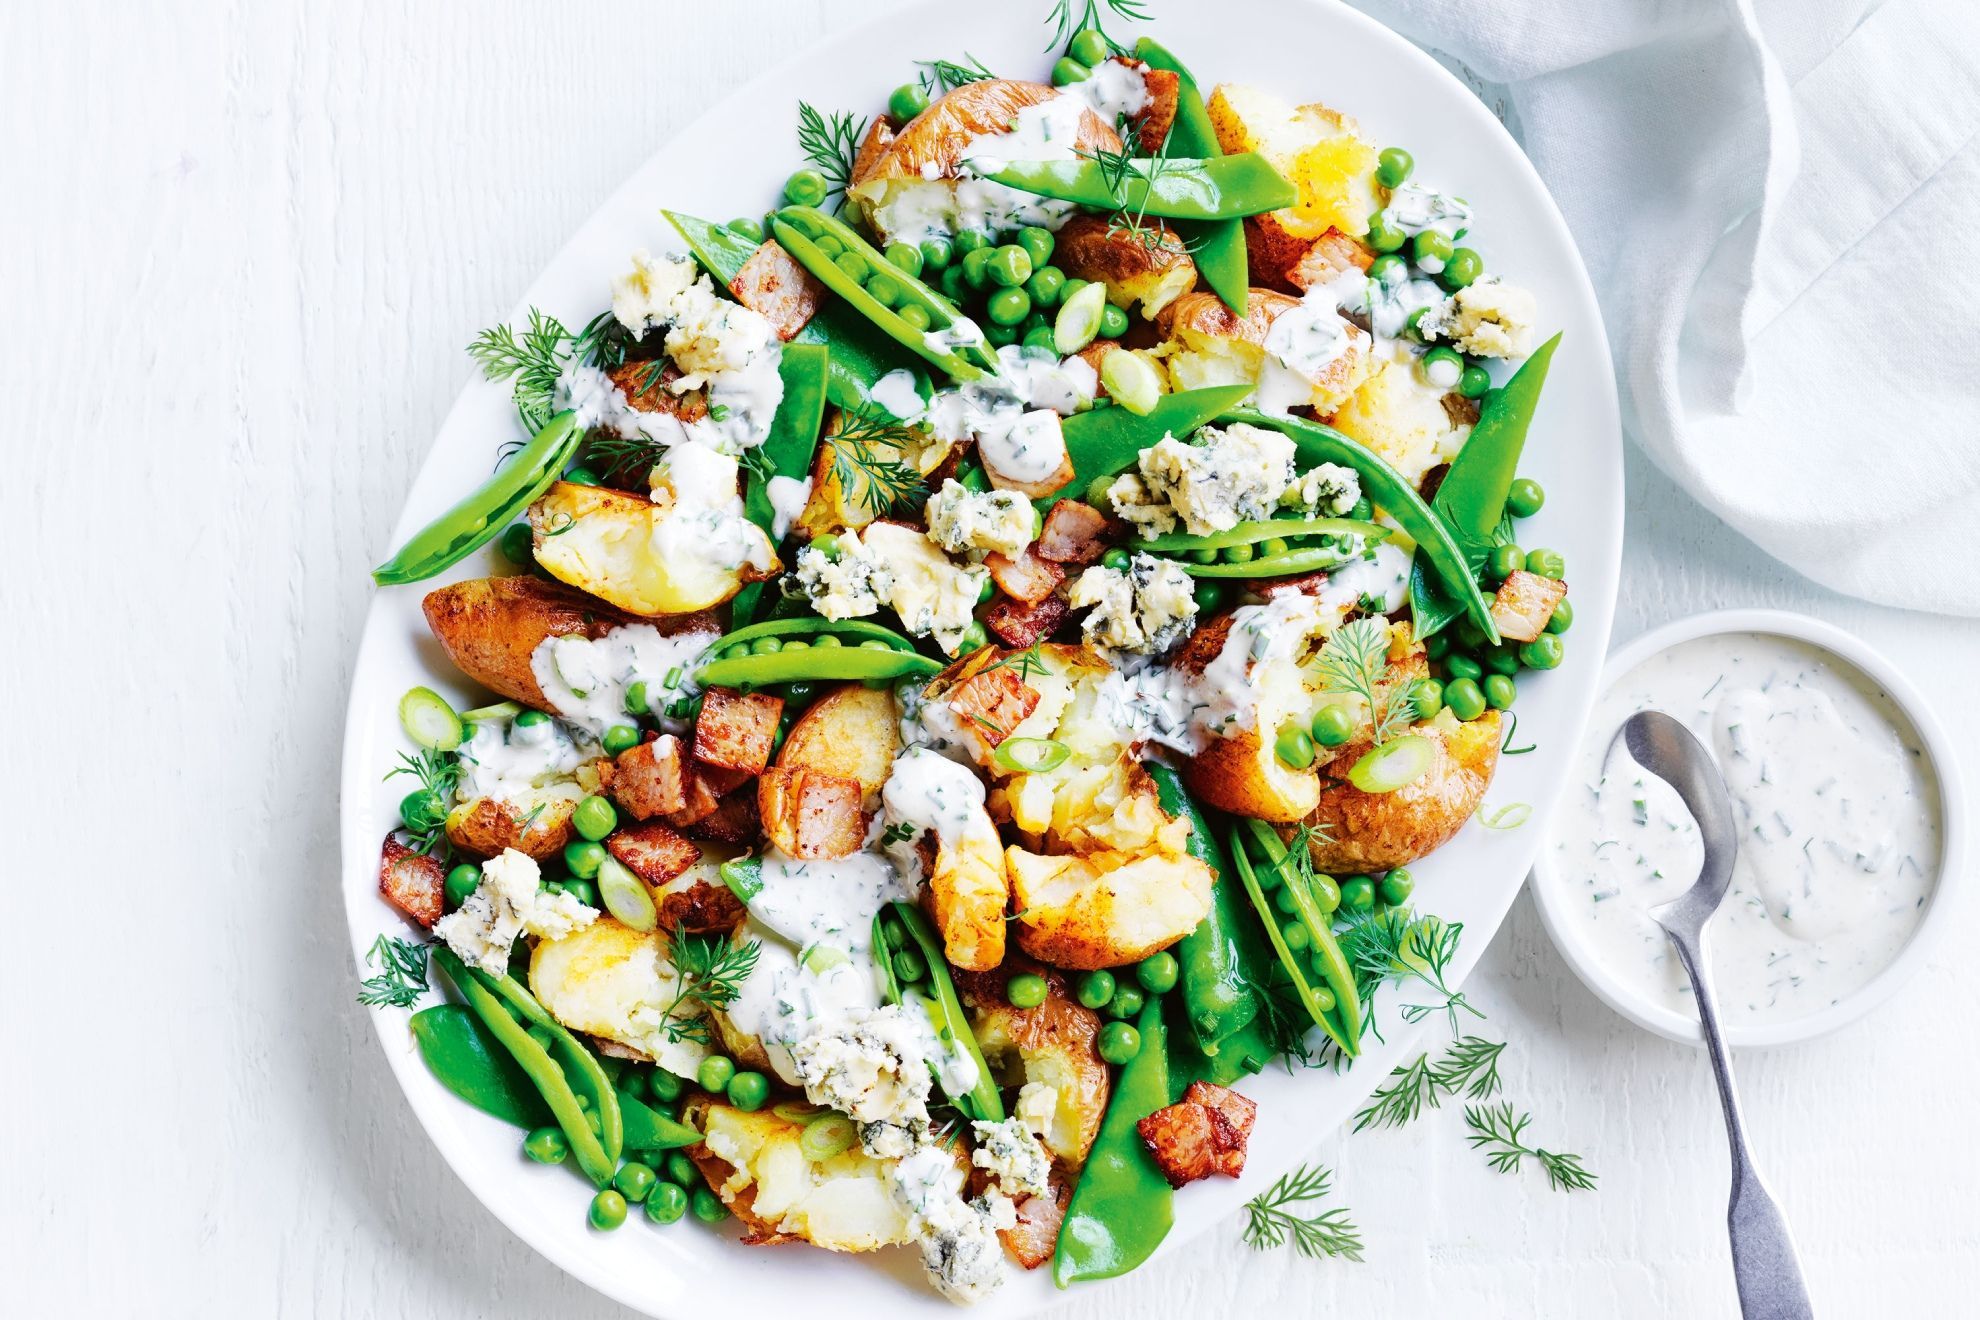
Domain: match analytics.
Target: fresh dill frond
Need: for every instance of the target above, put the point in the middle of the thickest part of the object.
(1397, 946)
(939, 77)
(438, 773)
(831, 144)
(1270, 1223)
(1026, 662)
(1499, 1131)
(712, 972)
(1412, 1086)
(629, 455)
(1067, 19)
(866, 462)
(534, 360)
(401, 978)
(1116, 169)
(1355, 662)
(1471, 1065)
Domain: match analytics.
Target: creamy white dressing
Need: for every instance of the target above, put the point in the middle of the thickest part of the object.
(504, 760)
(826, 902)
(1379, 573)
(706, 522)
(788, 496)
(585, 680)
(1838, 827)
(1302, 342)
(788, 995)
(927, 792)
(899, 392)
(1009, 414)
(1415, 209)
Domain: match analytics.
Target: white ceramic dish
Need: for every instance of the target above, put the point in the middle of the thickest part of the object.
(1550, 890)
(731, 162)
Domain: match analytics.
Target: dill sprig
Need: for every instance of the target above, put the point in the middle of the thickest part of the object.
(438, 773)
(1066, 20)
(1498, 1131)
(1027, 662)
(1116, 167)
(401, 978)
(1269, 1223)
(1395, 945)
(1355, 662)
(939, 77)
(712, 973)
(537, 357)
(831, 144)
(1471, 1064)
(1412, 1087)
(866, 461)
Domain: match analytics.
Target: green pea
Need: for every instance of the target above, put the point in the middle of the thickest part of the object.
(1561, 619)
(1010, 266)
(1500, 691)
(969, 240)
(1296, 935)
(915, 315)
(806, 188)
(422, 810)
(1045, 286)
(461, 881)
(665, 1086)
(584, 857)
(1397, 886)
(1500, 659)
(1209, 595)
(634, 1181)
(1273, 545)
(714, 1073)
(1358, 894)
(547, 1145)
(1473, 381)
(1463, 267)
(1069, 71)
(1008, 306)
(620, 738)
(829, 245)
(1465, 700)
(1547, 563)
(1037, 243)
(1393, 166)
(584, 891)
(581, 476)
(884, 288)
(908, 100)
(1429, 699)
(874, 644)
(1384, 236)
(1116, 559)
(749, 1091)
(680, 1170)
(707, 1206)
(1505, 561)
(973, 639)
(1388, 268)
(1095, 989)
(529, 719)
(766, 646)
(976, 267)
(666, 1203)
(1413, 323)
(1026, 990)
(1442, 367)
(518, 545)
(1119, 1042)
(1113, 322)
(828, 545)
(1437, 646)
(1544, 652)
(1157, 973)
(1469, 634)
(1431, 250)
(1089, 46)
(935, 254)
(1294, 747)
(1238, 554)
(1326, 894)
(797, 643)
(852, 265)
(748, 228)
(1333, 725)
(952, 283)
(1041, 337)
(1525, 497)
(608, 1211)
(1323, 996)
(1128, 1001)
(1203, 556)
(594, 818)
(909, 966)
(904, 256)
(826, 642)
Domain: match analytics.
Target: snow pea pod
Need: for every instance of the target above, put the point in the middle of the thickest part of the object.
(1472, 498)
(1387, 487)
(646, 1128)
(1250, 533)
(1173, 187)
(1324, 952)
(800, 666)
(1217, 246)
(467, 1059)
(811, 625)
(549, 1076)
(582, 1068)
(794, 430)
(1104, 441)
(1311, 559)
(951, 340)
(1218, 997)
(861, 355)
(1329, 1020)
(983, 1101)
(473, 522)
(1122, 1206)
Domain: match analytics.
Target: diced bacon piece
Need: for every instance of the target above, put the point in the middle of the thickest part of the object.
(1018, 625)
(412, 882)
(1029, 578)
(735, 820)
(652, 851)
(698, 903)
(651, 779)
(1183, 1141)
(699, 802)
(1072, 534)
(990, 703)
(1524, 604)
(1331, 254)
(1152, 124)
(736, 730)
(810, 814)
(645, 385)
(1036, 1235)
(773, 284)
(719, 781)
(1232, 1116)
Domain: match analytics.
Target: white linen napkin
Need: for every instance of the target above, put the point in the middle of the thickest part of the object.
(1779, 204)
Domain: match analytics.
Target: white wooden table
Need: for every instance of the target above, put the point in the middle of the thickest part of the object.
(241, 247)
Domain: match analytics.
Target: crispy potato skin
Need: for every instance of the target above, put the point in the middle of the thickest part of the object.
(1241, 773)
(1197, 316)
(1090, 247)
(1105, 909)
(938, 134)
(852, 732)
(1378, 832)
(486, 827)
(1054, 1044)
(489, 628)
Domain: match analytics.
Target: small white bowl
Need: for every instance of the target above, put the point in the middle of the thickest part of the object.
(1570, 936)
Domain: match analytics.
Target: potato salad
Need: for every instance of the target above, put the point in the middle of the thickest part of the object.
(975, 652)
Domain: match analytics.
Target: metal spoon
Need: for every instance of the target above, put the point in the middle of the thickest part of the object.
(1765, 1268)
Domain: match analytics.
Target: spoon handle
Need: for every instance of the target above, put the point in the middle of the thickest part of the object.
(1766, 1269)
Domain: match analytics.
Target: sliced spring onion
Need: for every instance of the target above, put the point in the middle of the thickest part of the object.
(499, 713)
(1032, 755)
(1250, 533)
(626, 896)
(822, 958)
(827, 1135)
(796, 1111)
(1395, 764)
(429, 721)
(1078, 321)
(744, 877)
(1131, 381)
(1509, 817)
